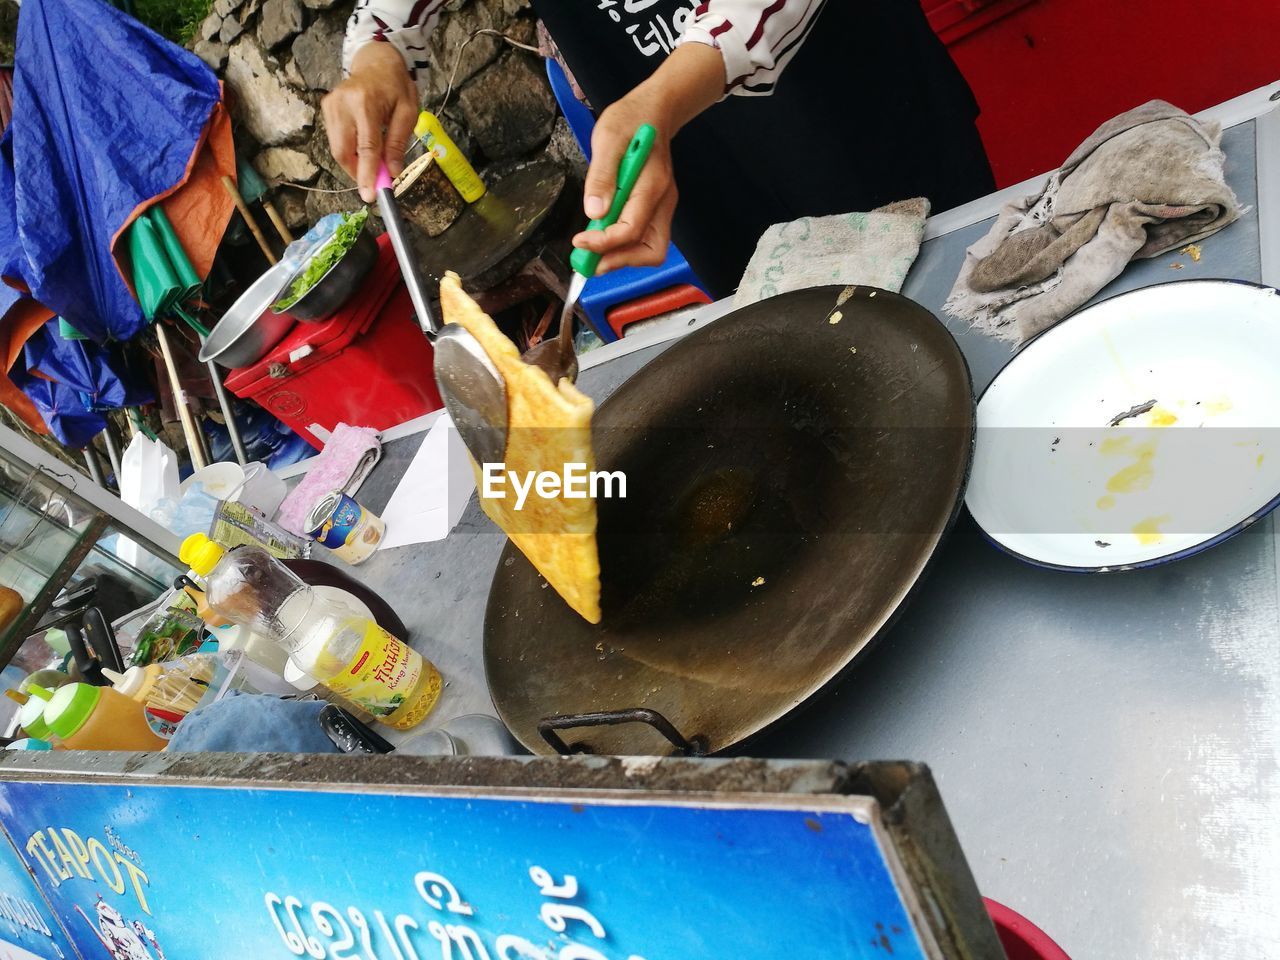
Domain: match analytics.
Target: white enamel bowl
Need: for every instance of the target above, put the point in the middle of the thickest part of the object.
(1063, 479)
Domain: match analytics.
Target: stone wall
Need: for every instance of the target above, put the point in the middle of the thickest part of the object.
(279, 57)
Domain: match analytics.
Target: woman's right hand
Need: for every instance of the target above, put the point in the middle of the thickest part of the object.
(378, 96)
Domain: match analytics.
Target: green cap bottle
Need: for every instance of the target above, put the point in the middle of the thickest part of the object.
(31, 716)
(70, 707)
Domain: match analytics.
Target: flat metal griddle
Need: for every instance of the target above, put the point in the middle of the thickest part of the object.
(788, 480)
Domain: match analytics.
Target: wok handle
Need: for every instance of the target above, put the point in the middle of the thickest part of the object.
(548, 727)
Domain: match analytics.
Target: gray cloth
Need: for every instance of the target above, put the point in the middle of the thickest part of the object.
(247, 723)
(873, 249)
(1146, 182)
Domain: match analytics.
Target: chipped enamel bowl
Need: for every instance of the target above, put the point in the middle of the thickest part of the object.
(1143, 429)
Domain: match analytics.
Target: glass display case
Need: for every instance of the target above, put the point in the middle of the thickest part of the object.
(61, 555)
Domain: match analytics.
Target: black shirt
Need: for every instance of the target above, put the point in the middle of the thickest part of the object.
(871, 109)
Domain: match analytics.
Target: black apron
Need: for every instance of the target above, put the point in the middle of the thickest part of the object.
(870, 110)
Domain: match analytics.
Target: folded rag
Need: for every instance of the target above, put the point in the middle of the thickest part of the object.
(348, 456)
(1144, 183)
(873, 249)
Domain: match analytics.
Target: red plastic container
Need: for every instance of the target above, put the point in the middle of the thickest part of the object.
(369, 366)
(1021, 939)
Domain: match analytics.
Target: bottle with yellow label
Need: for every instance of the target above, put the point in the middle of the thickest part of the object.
(358, 660)
(455, 166)
(345, 651)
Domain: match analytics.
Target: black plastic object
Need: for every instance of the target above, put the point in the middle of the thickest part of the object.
(348, 734)
(101, 649)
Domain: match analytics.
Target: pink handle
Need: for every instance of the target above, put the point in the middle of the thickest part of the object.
(384, 177)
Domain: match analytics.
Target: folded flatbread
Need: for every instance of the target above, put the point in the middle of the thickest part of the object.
(548, 426)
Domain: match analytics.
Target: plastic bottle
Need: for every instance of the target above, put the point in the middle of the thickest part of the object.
(455, 166)
(263, 651)
(31, 716)
(30, 743)
(98, 718)
(348, 653)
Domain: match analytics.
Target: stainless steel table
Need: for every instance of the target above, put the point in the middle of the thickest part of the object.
(1108, 746)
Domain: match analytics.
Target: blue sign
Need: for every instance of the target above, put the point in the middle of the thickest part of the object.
(27, 930)
(148, 872)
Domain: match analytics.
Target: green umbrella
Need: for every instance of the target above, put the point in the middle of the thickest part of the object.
(163, 277)
(165, 282)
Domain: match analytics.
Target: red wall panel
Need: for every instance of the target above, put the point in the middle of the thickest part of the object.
(1048, 72)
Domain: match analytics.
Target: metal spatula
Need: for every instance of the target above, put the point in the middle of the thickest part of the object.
(557, 357)
(473, 391)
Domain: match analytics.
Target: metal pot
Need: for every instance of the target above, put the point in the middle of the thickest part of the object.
(248, 331)
(338, 284)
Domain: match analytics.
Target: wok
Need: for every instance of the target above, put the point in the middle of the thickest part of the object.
(790, 472)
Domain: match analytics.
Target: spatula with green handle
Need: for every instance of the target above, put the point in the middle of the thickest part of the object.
(557, 357)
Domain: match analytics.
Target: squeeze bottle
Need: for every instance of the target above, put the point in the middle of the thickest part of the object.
(174, 687)
(455, 166)
(31, 716)
(98, 718)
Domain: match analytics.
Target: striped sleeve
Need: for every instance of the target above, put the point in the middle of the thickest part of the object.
(757, 38)
(405, 24)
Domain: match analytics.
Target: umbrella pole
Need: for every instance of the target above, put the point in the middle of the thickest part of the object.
(95, 471)
(233, 431)
(194, 447)
(277, 221)
(113, 451)
(229, 185)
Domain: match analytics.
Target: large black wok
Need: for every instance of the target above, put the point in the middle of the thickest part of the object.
(788, 480)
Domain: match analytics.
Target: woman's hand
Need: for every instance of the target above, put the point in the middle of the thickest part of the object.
(378, 95)
(691, 79)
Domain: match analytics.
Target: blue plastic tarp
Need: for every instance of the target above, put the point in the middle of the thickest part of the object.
(107, 116)
(71, 381)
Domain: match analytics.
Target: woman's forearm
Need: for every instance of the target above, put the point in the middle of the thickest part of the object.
(689, 81)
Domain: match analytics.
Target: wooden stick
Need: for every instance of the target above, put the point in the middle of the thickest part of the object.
(278, 221)
(250, 222)
(180, 400)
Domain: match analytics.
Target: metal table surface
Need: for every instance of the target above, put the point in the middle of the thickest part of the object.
(1107, 746)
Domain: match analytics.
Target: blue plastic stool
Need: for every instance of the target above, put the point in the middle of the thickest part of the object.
(628, 283)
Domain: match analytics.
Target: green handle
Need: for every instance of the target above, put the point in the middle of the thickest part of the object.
(633, 161)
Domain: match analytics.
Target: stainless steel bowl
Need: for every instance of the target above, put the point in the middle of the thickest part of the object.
(338, 284)
(248, 331)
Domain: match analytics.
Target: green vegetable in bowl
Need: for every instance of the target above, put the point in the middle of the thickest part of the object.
(335, 249)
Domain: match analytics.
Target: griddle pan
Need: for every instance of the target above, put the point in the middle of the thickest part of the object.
(791, 470)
